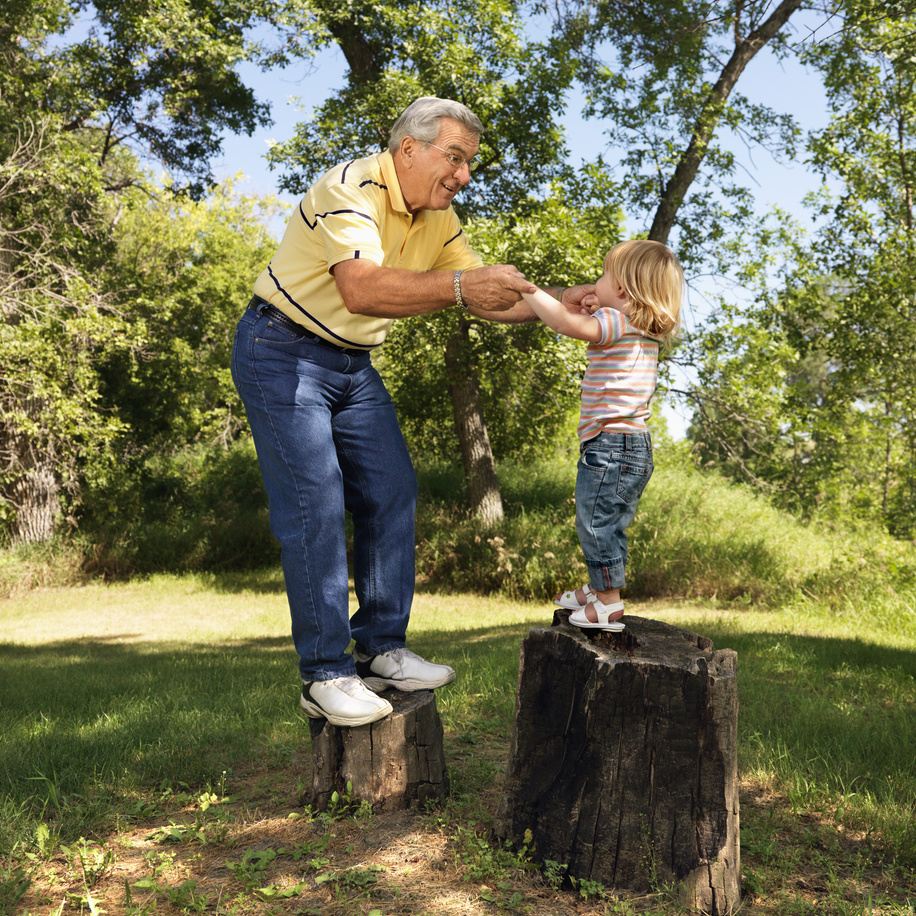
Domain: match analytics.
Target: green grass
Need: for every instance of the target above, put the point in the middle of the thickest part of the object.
(125, 702)
(828, 717)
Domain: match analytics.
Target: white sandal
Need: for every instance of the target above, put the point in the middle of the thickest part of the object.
(608, 616)
(570, 602)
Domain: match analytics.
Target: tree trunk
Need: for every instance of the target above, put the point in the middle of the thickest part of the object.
(624, 764)
(476, 454)
(35, 500)
(34, 494)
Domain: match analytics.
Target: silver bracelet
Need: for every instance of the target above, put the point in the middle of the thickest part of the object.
(560, 291)
(458, 300)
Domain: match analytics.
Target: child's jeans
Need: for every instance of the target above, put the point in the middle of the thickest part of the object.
(613, 470)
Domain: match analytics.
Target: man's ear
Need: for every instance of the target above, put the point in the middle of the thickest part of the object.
(407, 148)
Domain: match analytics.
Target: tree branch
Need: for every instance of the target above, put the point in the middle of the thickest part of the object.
(689, 164)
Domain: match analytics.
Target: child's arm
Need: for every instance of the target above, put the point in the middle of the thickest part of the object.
(555, 315)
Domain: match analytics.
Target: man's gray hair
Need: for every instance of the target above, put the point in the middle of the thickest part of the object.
(420, 120)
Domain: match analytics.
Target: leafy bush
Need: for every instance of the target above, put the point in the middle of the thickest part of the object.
(202, 509)
(696, 535)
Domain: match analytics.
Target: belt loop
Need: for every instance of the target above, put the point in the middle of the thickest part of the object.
(258, 304)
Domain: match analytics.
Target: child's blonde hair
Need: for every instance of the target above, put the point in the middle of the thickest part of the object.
(654, 282)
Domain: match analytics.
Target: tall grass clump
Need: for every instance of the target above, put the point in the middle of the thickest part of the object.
(57, 564)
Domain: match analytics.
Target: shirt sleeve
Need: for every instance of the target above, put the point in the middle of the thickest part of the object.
(613, 325)
(347, 221)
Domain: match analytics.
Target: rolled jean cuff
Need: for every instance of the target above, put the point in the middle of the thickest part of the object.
(604, 576)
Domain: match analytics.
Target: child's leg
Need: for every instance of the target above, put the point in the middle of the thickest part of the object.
(612, 473)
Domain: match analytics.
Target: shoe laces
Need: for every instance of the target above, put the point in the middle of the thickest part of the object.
(403, 653)
(350, 684)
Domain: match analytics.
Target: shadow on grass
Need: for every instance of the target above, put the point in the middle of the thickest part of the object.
(88, 725)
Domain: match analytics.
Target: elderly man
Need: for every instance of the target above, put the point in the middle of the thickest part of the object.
(372, 240)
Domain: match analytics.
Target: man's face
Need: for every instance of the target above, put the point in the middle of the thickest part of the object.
(429, 181)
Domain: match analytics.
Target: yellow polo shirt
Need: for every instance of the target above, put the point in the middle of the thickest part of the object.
(356, 211)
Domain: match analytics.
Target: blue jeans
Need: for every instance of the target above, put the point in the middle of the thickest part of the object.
(613, 470)
(328, 442)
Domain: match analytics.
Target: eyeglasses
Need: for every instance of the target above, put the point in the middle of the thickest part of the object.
(456, 161)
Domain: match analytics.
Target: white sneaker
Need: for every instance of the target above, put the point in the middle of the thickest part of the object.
(401, 669)
(343, 701)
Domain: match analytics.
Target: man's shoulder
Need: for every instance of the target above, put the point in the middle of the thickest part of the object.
(363, 173)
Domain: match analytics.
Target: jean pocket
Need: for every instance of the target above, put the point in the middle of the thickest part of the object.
(632, 480)
(272, 332)
(593, 459)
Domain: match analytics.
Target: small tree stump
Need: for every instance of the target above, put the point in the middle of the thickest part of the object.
(395, 763)
(624, 762)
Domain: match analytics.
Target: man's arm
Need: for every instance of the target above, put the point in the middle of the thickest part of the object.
(386, 292)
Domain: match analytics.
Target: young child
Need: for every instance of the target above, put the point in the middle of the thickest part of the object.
(638, 308)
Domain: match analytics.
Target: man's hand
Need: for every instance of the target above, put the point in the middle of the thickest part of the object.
(494, 288)
(580, 300)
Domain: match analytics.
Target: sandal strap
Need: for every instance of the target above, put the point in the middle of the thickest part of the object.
(604, 611)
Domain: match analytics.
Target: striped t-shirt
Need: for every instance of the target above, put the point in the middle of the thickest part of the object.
(620, 379)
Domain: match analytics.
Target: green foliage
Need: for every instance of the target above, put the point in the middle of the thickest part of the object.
(251, 872)
(100, 275)
(866, 331)
(55, 322)
(810, 392)
(92, 861)
(202, 509)
(158, 76)
(189, 267)
(695, 535)
(470, 50)
(657, 75)
(14, 882)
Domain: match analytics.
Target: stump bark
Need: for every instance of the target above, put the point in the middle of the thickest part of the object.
(397, 762)
(623, 762)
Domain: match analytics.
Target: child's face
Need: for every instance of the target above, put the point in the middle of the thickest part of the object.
(611, 295)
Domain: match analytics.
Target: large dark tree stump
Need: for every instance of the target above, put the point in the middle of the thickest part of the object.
(624, 759)
(395, 763)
